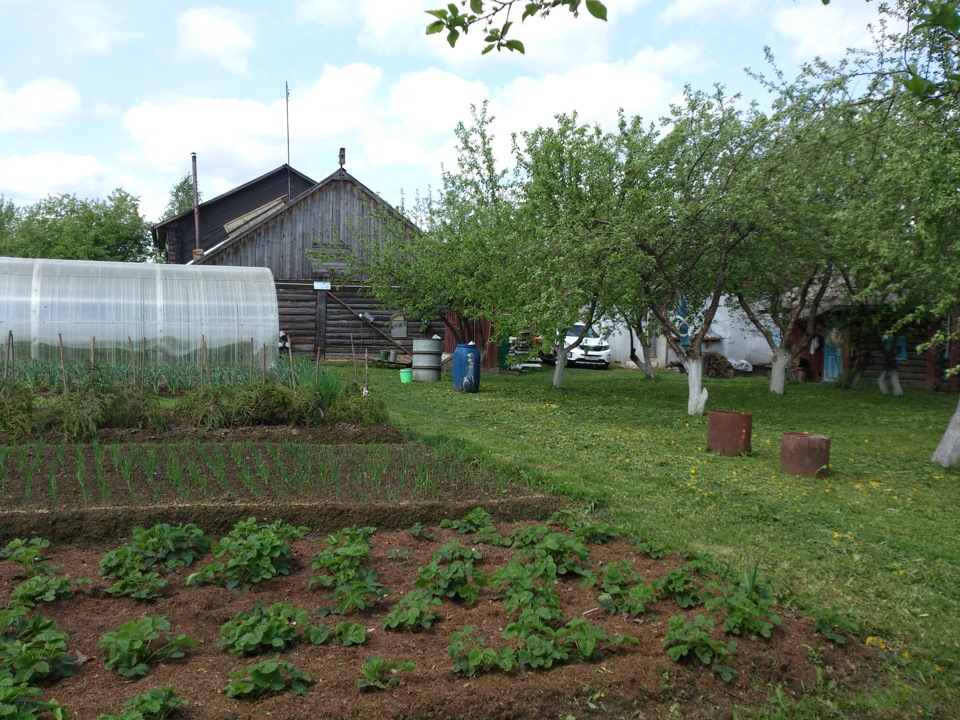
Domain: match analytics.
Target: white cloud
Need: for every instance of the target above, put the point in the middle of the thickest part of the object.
(328, 13)
(217, 33)
(814, 30)
(35, 176)
(689, 10)
(91, 26)
(39, 104)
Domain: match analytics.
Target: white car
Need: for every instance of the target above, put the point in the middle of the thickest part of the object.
(593, 351)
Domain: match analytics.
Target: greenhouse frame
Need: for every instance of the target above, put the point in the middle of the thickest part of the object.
(113, 312)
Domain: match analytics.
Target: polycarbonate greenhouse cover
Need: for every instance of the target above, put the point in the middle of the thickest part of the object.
(164, 313)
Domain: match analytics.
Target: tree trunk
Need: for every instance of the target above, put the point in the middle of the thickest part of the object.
(648, 367)
(558, 368)
(948, 451)
(895, 383)
(882, 383)
(697, 400)
(778, 370)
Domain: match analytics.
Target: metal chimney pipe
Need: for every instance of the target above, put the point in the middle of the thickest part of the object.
(196, 203)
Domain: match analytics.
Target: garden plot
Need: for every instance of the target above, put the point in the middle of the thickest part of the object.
(465, 620)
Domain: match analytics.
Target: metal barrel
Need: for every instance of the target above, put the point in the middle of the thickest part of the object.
(805, 454)
(728, 433)
(426, 360)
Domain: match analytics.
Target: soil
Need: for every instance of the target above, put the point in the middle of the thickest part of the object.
(636, 680)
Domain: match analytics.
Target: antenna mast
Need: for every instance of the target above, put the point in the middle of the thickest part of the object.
(286, 86)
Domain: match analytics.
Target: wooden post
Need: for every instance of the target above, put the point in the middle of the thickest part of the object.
(366, 370)
(93, 352)
(6, 354)
(316, 379)
(63, 367)
(264, 356)
(293, 378)
(251, 358)
(353, 352)
(931, 374)
(954, 354)
(320, 325)
(13, 357)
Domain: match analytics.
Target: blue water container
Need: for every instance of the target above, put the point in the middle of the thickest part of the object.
(466, 368)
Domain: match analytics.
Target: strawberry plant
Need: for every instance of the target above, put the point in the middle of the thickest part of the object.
(380, 674)
(833, 625)
(471, 657)
(267, 677)
(138, 585)
(458, 580)
(45, 588)
(587, 640)
(477, 520)
(138, 644)
(615, 599)
(529, 586)
(679, 585)
(348, 633)
(32, 649)
(695, 636)
(263, 630)
(20, 701)
(28, 553)
(414, 611)
(651, 548)
(156, 704)
(539, 647)
(746, 605)
(568, 553)
(253, 553)
(355, 587)
(419, 533)
(453, 550)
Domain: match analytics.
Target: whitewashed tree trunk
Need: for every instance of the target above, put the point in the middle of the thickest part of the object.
(895, 383)
(697, 400)
(948, 451)
(648, 367)
(882, 383)
(558, 368)
(778, 371)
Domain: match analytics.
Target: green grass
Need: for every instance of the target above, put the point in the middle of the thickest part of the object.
(878, 538)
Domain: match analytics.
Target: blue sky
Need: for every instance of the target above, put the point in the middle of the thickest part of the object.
(100, 94)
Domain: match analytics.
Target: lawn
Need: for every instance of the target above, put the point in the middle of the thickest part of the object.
(878, 539)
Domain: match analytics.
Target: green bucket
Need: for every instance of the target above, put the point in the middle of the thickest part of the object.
(406, 375)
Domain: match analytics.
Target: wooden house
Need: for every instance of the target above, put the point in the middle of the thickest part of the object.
(249, 231)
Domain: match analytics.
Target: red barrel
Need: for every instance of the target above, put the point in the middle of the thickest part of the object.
(728, 432)
(805, 454)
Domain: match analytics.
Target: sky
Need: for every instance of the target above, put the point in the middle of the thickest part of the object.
(103, 94)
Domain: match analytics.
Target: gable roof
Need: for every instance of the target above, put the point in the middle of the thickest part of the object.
(222, 204)
(244, 229)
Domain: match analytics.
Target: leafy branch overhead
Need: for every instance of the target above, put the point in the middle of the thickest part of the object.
(485, 12)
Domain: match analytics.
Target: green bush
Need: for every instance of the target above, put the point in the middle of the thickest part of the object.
(17, 419)
(156, 704)
(354, 408)
(137, 644)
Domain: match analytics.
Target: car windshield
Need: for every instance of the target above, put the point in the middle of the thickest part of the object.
(578, 328)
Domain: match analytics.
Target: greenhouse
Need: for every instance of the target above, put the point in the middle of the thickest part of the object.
(113, 312)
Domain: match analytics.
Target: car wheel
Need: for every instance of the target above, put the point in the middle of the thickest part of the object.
(605, 366)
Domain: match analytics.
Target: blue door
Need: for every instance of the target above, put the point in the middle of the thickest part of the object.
(832, 361)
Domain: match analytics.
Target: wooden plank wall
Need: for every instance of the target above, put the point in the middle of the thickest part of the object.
(297, 303)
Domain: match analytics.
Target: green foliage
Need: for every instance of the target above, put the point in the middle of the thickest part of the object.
(138, 585)
(267, 678)
(457, 579)
(20, 701)
(181, 197)
(32, 649)
(414, 611)
(420, 534)
(354, 587)
(155, 704)
(747, 605)
(64, 226)
(253, 553)
(354, 408)
(588, 641)
(477, 520)
(694, 636)
(161, 547)
(679, 585)
(455, 21)
(651, 548)
(17, 420)
(44, 588)
(28, 553)
(349, 633)
(138, 644)
(834, 625)
(380, 674)
(249, 403)
(471, 657)
(623, 591)
(568, 552)
(263, 630)
(526, 585)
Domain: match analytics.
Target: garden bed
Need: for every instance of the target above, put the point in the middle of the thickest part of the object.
(633, 679)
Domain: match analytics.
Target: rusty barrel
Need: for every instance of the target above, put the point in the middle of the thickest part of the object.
(728, 432)
(426, 359)
(805, 454)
